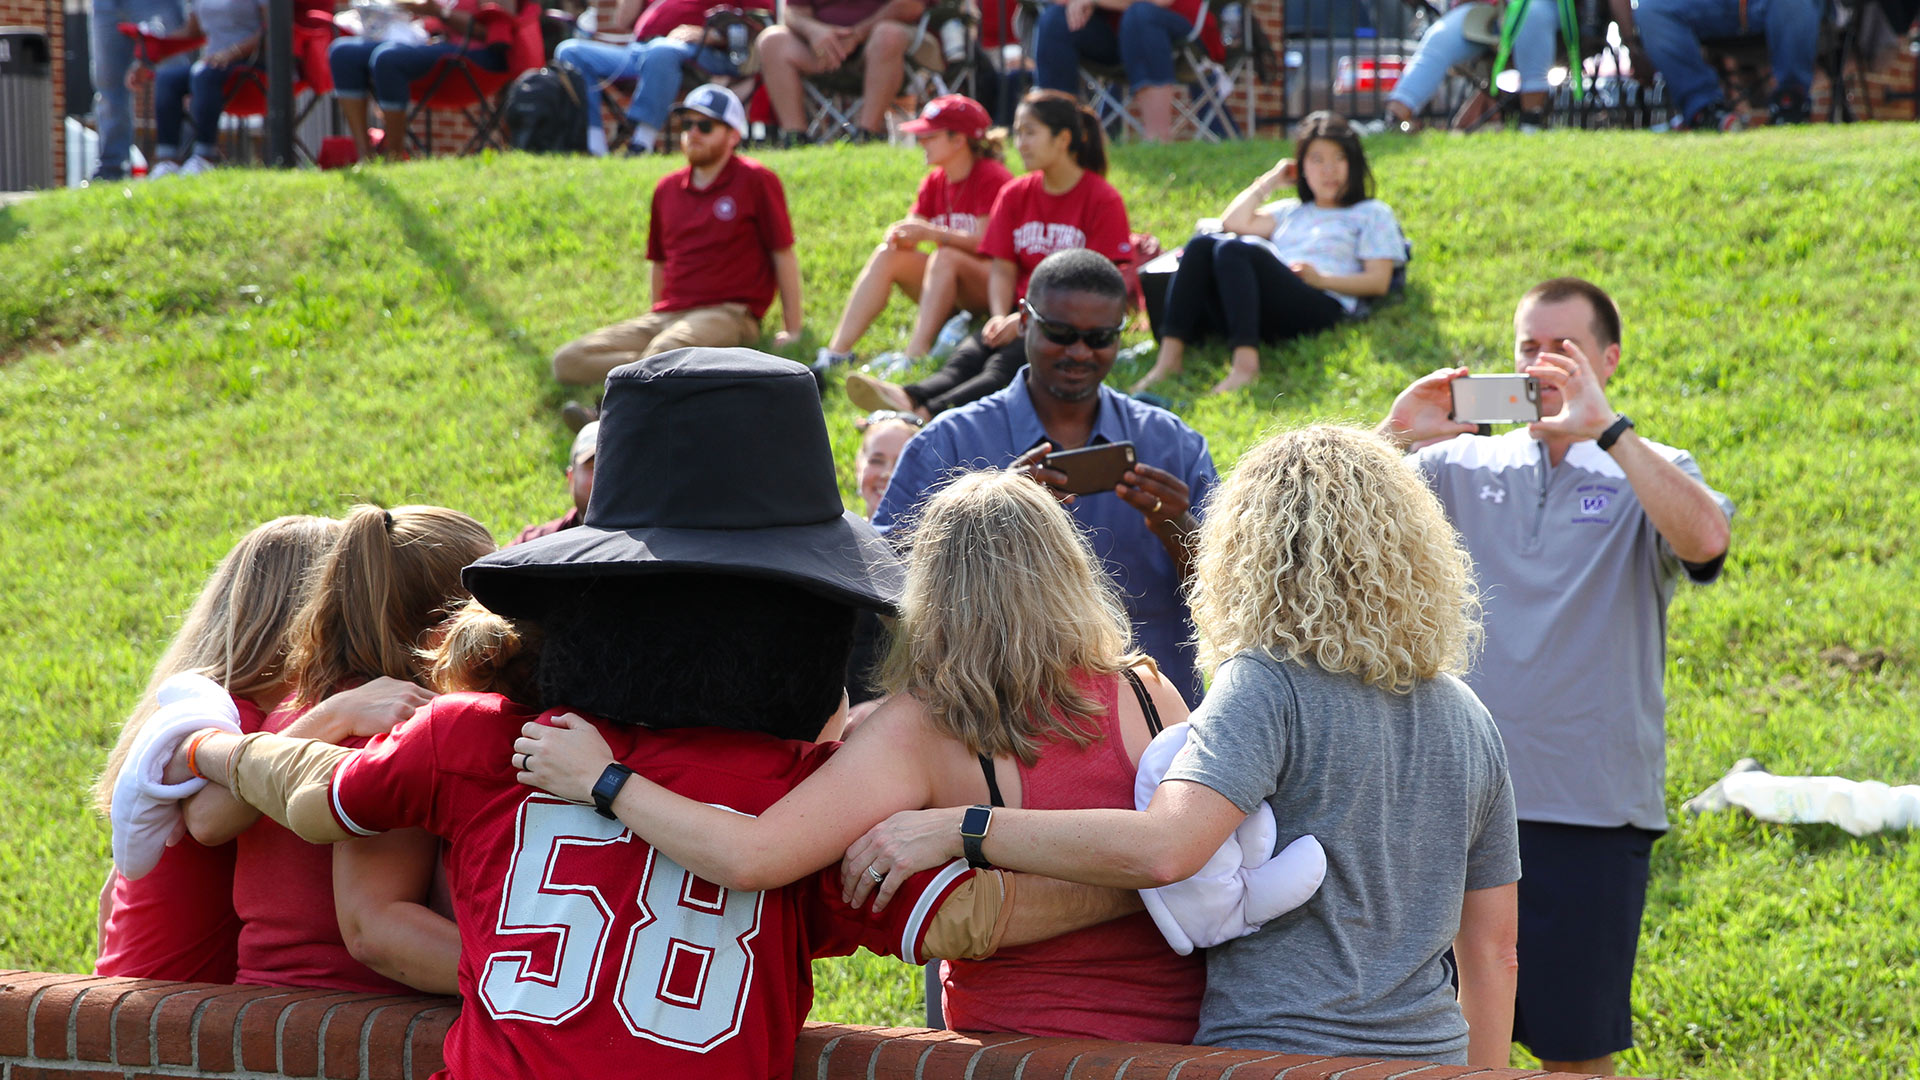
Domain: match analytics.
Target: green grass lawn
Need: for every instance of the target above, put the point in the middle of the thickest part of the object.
(181, 360)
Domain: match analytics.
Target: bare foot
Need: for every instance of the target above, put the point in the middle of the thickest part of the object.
(1159, 371)
(1238, 378)
(873, 394)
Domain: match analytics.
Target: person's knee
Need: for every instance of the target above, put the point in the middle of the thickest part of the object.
(888, 40)
(779, 47)
(575, 365)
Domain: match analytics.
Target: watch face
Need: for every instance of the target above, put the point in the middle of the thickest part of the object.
(975, 821)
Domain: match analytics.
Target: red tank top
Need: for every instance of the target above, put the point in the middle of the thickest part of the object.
(1118, 980)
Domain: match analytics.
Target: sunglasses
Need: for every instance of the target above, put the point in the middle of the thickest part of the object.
(1060, 333)
(881, 416)
(703, 125)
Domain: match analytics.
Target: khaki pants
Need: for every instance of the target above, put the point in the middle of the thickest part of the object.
(585, 360)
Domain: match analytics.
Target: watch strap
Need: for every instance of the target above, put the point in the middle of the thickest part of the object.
(973, 830)
(1614, 431)
(607, 788)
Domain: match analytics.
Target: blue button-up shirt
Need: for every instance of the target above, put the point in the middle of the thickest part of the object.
(991, 432)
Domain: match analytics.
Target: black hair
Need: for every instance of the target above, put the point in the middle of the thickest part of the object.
(1334, 128)
(1061, 111)
(676, 650)
(1606, 314)
(1077, 270)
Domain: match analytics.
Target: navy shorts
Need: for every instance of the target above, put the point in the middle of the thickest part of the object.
(1582, 891)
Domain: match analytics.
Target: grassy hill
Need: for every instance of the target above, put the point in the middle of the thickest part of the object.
(181, 360)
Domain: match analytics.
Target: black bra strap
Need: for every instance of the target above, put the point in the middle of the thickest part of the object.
(1146, 702)
(993, 786)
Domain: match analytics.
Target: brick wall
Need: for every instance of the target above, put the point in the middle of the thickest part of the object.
(78, 1027)
(42, 15)
(1888, 88)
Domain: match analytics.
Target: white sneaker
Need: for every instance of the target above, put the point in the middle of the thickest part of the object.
(165, 168)
(196, 165)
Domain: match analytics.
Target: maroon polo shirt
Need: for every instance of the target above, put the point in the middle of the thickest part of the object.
(715, 246)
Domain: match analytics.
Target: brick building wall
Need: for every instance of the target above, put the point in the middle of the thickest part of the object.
(47, 15)
(1886, 92)
(79, 1027)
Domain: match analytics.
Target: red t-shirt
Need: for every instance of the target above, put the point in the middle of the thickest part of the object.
(283, 893)
(662, 16)
(844, 12)
(1027, 224)
(177, 922)
(716, 245)
(583, 952)
(964, 205)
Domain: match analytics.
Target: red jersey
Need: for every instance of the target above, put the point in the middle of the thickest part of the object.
(178, 922)
(584, 952)
(964, 205)
(1027, 224)
(716, 245)
(283, 893)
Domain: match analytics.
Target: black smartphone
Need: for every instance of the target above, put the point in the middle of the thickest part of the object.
(1496, 399)
(1092, 469)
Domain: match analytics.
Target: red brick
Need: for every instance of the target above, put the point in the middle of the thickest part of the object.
(262, 1024)
(341, 1033)
(217, 1026)
(93, 1020)
(133, 1021)
(426, 1043)
(903, 1057)
(18, 993)
(67, 1072)
(387, 1037)
(298, 1033)
(53, 1017)
(173, 1022)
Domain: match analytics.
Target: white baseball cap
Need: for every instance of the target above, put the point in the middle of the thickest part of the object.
(718, 103)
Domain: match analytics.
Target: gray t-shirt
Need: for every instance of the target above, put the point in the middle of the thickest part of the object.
(1408, 793)
(227, 23)
(1576, 581)
(1336, 240)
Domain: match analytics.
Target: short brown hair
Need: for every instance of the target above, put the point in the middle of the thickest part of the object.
(1606, 314)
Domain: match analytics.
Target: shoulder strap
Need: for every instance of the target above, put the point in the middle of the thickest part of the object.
(1146, 702)
(993, 785)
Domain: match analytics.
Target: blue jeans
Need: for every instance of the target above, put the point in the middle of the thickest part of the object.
(391, 67)
(1443, 47)
(654, 65)
(208, 87)
(112, 56)
(1143, 45)
(1672, 30)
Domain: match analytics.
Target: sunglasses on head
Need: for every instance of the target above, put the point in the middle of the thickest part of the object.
(1061, 334)
(881, 416)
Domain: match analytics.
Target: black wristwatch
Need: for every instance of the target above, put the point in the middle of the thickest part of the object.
(1612, 434)
(973, 829)
(607, 788)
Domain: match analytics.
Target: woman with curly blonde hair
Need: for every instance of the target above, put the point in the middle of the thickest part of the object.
(1339, 606)
(1009, 682)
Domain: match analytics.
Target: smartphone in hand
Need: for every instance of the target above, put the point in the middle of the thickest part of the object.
(1496, 399)
(1093, 469)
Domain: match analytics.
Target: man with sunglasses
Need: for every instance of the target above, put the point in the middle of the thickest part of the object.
(721, 245)
(1073, 314)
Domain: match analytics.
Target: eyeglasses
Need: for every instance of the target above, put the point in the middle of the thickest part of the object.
(881, 416)
(703, 125)
(1060, 333)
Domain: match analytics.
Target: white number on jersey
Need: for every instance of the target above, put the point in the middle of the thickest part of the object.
(687, 960)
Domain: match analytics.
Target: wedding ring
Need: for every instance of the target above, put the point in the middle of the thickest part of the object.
(878, 877)
(1157, 504)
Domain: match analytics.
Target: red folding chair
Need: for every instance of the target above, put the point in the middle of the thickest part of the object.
(458, 85)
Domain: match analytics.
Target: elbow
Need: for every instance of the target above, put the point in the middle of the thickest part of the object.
(1168, 866)
(363, 942)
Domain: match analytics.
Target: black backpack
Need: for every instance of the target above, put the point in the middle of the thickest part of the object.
(547, 111)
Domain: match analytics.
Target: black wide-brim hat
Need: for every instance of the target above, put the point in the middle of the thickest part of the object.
(711, 461)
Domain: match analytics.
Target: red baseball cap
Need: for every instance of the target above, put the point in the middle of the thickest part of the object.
(957, 113)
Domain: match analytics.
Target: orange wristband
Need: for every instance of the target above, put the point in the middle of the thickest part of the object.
(193, 751)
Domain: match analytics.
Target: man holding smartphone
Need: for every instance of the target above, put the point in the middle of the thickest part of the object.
(721, 245)
(1579, 530)
(1075, 309)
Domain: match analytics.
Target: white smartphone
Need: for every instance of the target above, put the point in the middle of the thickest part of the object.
(1496, 399)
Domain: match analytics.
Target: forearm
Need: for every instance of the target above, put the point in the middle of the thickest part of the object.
(380, 888)
(412, 944)
(734, 851)
(1044, 907)
(214, 816)
(1679, 507)
(289, 780)
(1177, 536)
(968, 242)
(656, 282)
(1121, 849)
(1371, 282)
(786, 271)
(1488, 963)
(1242, 214)
(1001, 278)
(625, 15)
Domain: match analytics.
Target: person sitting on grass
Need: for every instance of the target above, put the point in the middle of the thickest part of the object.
(232, 29)
(1281, 270)
(705, 629)
(1063, 202)
(579, 485)
(950, 212)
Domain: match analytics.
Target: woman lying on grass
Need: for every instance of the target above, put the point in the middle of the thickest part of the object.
(1007, 688)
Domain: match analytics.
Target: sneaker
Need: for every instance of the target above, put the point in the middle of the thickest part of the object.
(823, 364)
(1714, 117)
(106, 175)
(1714, 798)
(1788, 107)
(871, 394)
(165, 168)
(197, 166)
(1533, 123)
(577, 415)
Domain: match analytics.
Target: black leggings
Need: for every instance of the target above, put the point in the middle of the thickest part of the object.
(1238, 284)
(971, 373)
